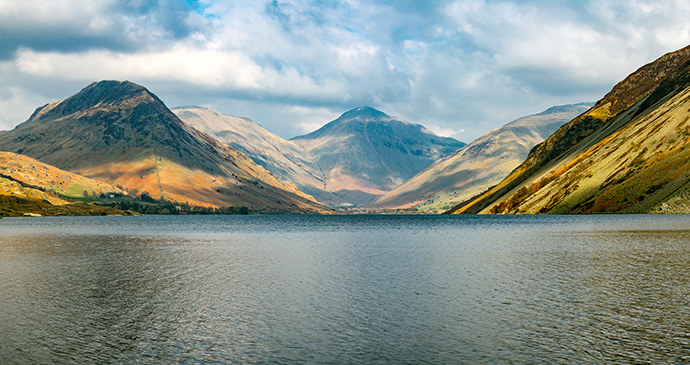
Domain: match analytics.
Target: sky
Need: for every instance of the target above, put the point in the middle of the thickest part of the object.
(459, 67)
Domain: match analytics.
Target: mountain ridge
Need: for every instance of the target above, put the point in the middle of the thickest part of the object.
(477, 166)
(283, 158)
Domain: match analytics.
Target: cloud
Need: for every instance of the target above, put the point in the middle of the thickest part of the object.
(461, 66)
(446, 132)
(78, 26)
(14, 98)
(223, 71)
(255, 52)
(494, 61)
(228, 70)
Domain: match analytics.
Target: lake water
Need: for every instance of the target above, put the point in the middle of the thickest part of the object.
(345, 289)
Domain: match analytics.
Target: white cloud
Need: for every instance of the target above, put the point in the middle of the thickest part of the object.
(446, 132)
(231, 70)
(24, 15)
(13, 102)
(213, 69)
(310, 119)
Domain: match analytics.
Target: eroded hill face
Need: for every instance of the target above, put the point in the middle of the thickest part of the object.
(626, 154)
(120, 133)
(477, 166)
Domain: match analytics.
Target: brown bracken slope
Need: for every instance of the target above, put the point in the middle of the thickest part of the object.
(31, 172)
(628, 153)
(29, 187)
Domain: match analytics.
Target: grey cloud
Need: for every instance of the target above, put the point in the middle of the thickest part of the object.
(75, 26)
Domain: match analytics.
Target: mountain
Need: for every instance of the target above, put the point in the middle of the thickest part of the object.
(348, 162)
(627, 154)
(287, 160)
(479, 165)
(366, 153)
(30, 187)
(121, 133)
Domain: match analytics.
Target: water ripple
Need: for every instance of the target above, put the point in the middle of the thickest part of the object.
(352, 289)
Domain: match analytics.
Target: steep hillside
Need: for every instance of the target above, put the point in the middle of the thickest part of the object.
(287, 160)
(29, 187)
(366, 153)
(51, 179)
(477, 166)
(626, 154)
(120, 133)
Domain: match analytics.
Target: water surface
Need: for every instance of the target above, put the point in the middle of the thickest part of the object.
(345, 289)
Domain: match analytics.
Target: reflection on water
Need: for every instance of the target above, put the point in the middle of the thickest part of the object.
(354, 289)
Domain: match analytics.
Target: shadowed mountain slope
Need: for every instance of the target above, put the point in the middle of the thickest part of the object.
(627, 154)
(477, 166)
(122, 134)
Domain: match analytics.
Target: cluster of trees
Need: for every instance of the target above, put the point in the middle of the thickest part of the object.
(148, 205)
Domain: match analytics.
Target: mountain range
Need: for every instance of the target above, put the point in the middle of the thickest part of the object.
(350, 161)
(628, 154)
(122, 134)
(479, 165)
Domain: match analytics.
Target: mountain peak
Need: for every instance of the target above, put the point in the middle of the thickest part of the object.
(111, 90)
(107, 92)
(365, 113)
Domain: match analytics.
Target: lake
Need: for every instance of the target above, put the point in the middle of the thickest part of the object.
(345, 289)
